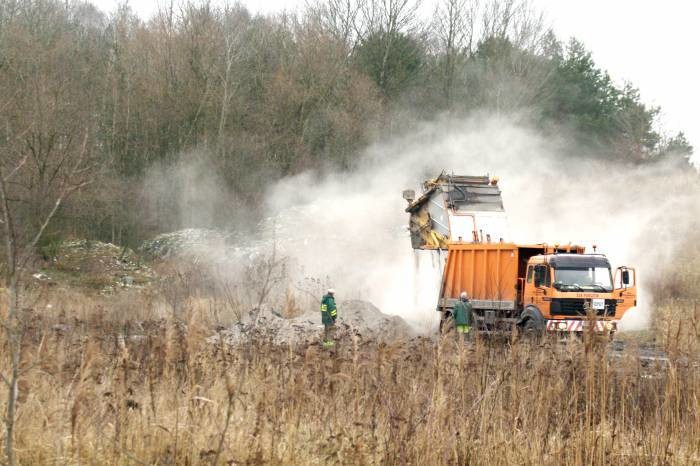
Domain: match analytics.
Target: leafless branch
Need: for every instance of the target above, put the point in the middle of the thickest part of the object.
(16, 169)
(4, 379)
(66, 192)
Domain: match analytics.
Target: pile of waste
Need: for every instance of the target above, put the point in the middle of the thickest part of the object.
(101, 266)
(187, 242)
(355, 318)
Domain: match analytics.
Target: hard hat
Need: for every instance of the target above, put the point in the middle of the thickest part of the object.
(463, 295)
(331, 291)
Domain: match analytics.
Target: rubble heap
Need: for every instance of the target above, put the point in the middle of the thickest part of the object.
(358, 318)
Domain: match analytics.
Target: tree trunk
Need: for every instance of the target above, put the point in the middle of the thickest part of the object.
(13, 337)
(10, 324)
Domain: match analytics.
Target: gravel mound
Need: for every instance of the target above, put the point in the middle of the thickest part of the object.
(358, 318)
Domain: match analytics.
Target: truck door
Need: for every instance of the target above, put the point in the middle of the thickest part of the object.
(529, 287)
(537, 280)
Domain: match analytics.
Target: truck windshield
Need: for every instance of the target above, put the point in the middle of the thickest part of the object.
(583, 279)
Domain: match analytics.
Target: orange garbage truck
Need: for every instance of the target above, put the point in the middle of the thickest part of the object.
(536, 288)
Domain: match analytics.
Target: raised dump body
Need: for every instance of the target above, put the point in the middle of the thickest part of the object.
(456, 208)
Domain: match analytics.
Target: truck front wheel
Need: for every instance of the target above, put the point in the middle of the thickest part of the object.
(531, 328)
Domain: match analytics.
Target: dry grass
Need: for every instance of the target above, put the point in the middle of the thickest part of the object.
(140, 386)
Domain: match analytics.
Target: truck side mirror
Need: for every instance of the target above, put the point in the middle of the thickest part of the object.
(625, 277)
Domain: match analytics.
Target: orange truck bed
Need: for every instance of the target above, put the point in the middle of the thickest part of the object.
(488, 272)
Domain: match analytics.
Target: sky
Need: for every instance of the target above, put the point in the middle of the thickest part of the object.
(649, 43)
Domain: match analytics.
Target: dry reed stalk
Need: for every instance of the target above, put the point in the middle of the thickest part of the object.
(114, 390)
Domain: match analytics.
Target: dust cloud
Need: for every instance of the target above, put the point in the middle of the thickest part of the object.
(190, 192)
(350, 228)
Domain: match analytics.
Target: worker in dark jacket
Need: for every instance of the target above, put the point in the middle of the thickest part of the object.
(462, 314)
(329, 312)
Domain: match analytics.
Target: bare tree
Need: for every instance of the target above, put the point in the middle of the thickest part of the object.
(528, 27)
(509, 71)
(19, 241)
(515, 20)
(341, 19)
(389, 18)
(454, 30)
(497, 17)
(234, 26)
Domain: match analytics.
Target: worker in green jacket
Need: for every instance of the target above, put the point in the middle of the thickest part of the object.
(329, 312)
(463, 317)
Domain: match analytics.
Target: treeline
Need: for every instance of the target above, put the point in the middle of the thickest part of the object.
(261, 97)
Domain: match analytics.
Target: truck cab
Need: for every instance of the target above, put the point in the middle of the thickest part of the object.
(560, 289)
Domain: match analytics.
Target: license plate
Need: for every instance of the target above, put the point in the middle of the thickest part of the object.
(598, 304)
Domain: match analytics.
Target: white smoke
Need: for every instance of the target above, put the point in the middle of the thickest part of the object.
(351, 227)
